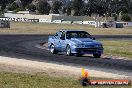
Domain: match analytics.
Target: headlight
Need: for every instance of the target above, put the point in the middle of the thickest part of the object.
(80, 45)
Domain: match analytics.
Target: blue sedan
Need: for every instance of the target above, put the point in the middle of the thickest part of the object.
(74, 42)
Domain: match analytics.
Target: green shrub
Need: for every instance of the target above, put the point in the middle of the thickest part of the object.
(125, 17)
(19, 9)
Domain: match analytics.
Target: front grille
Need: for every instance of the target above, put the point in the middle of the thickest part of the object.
(86, 49)
(89, 50)
(90, 46)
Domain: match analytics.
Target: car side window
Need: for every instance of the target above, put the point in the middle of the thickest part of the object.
(63, 36)
(68, 35)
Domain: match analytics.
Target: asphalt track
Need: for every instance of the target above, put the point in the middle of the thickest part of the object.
(23, 46)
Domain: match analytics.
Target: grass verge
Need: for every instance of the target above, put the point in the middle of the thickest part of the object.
(15, 80)
(121, 48)
(43, 28)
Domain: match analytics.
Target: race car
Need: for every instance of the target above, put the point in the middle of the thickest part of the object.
(74, 42)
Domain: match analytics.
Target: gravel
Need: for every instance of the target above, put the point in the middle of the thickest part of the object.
(8, 64)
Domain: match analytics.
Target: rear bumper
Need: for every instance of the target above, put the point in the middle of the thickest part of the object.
(88, 50)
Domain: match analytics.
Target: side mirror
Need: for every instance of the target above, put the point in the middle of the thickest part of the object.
(54, 37)
(93, 38)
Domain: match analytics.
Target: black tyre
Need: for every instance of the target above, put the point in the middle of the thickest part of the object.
(97, 55)
(53, 50)
(78, 55)
(68, 51)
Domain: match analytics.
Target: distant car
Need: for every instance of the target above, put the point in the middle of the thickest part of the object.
(74, 42)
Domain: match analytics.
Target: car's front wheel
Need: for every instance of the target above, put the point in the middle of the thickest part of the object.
(97, 55)
(53, 50)
(78, 55)
(68, 51)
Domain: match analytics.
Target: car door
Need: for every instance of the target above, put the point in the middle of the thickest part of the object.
(63, 41)
(57, 40)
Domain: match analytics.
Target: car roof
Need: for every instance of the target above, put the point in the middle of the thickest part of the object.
(66, 30)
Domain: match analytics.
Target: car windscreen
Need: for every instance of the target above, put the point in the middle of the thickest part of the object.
(77, 34)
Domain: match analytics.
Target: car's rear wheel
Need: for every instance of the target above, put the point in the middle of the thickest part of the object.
(53, 50)
(97, 55)
(68, 51)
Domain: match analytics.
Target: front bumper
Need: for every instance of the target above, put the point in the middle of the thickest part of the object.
(88, 50)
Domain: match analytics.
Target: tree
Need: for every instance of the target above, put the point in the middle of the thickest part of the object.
(125, 17)
(10, 1)
(43, 7)
(115, 17)
(64, 10)
(68, 11)
(68, 8)
(12, 6)
(31, 7)
(77, 5)
(56, 6)
(3, 4)
(98, 7)
(26, 2)
(127, 6)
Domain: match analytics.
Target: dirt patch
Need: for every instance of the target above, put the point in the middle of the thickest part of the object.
(54, 69)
